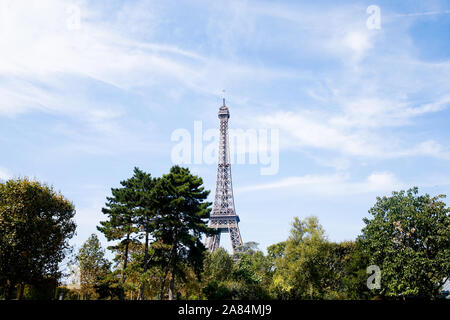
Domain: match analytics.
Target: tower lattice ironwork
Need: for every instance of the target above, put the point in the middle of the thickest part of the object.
(223, 215)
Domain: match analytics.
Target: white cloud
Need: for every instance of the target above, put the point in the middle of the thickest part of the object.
(36, 48)
(355, 101)
(311, 130)
(357, 130)
(430, 148)
(44, 67)
(357, 41)
(371, 87)
(339, 31)
(439, 105)
(375, 112)
(331, 185)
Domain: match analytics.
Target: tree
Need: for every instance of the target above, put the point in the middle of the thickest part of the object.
(123, 210)
(244, 276)
(140, 197)
(180, 224)
(131, 211)
(252, 274)
(218, 275)
(35, 226)
(307, 265)
(109, 287)
(93, 266)
(334, 267)
(218, 266)
(355, 275)
(143, 281)
(408, 237)
(169, 214)
(297, 272)
(131, 274)
(147, 208)
(276, 251)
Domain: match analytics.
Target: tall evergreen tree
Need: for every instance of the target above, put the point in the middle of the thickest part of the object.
(180, 224)
(131, 213)
(146, 196)
(122, 211)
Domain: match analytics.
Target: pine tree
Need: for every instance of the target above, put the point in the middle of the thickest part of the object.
(180, 224)
(146, 209)
(122, 210)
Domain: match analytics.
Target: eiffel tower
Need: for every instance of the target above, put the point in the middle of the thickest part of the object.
(223, 215)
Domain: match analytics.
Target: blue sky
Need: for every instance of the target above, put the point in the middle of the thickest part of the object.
(360, 112)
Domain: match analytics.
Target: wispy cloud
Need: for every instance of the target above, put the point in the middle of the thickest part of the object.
(418, 14)
(331, 185)
(319, 130)
(372, 88)
(100, 51)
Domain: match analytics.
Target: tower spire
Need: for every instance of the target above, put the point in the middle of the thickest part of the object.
(223, 98)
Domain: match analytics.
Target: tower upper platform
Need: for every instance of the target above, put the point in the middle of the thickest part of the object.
(223, 111)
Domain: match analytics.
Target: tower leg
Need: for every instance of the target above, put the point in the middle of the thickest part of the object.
(213, 242)
(235, 237)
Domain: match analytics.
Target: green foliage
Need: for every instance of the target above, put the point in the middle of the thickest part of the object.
(130, 211)
(218, 266)
(308, 266)
(218, 291)
(109, 287)
(246, 276)
(355, 274)
(126, 280)
(297, 271)
(158, 224)
(64, 293)
(408, 237)
(44, 289)
(252, 276)
(217, 276)
(35, 225)
(277, 250)
(170, 214)
(92, 265)
(337, 257)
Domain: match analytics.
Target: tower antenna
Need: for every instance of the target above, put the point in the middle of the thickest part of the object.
(223, 97)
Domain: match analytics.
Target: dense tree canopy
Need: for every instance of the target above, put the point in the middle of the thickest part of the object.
(170, 213)
(408, 237)
(300, 270)
(35, 225)
(158, 225)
